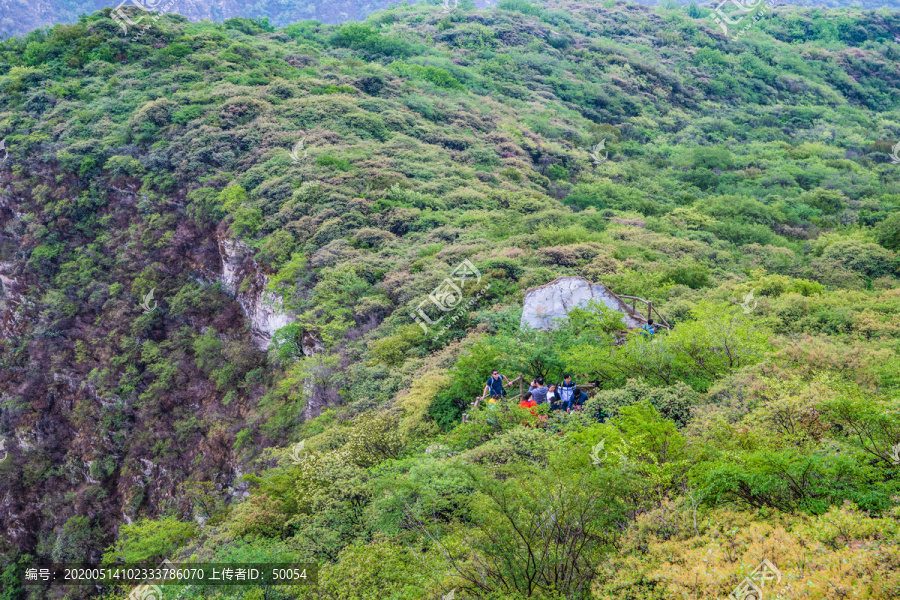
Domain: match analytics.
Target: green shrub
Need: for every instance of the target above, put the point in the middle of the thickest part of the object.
(374, 438)
(439, 77)
(259, 516)
(393, 350)
(332, 162)
(870, 260)
(367, 125)
(673, 402)
(333, 89)
(521, 6)
(149, 541)
(557, 172)
(788, 480)
(606, 194)
(448, 406)
(887, 233)
(77, 541)
(694, 274)
(743, 233)
(828, 201)
(186, 114)
(362, 37)
(379, 569)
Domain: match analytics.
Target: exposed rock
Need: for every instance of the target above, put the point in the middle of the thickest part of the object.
(553, 301)
(310, 344)
(262, 308)
(15, 308)
(239, 487)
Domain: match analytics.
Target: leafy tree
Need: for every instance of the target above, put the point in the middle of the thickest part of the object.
(718, 341)
(77, 541)
(534, 533)
(373, 439)
(887, 233)
(146, 540)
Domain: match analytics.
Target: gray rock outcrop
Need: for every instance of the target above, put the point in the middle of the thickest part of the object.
(546, 304)
(262, 308)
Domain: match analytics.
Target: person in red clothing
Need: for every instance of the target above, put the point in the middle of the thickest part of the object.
(528, 401)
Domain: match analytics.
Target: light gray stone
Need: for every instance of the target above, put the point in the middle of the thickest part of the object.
(546, 304)
(262, 308)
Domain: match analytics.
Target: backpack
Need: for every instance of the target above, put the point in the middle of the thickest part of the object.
(561, 385)
(647, 330)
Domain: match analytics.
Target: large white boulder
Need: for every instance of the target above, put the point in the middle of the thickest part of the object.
(552, 301)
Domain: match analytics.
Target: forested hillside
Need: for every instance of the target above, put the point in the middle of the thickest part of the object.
(18, 17)
(221, 247)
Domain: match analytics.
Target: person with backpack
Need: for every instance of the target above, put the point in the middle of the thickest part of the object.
(567, 391)
(494, 385)
(648, 330)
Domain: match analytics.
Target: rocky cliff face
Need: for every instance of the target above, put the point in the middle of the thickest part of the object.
(264, 311)
(80, 435)
(550, 302)
(13, 303)
(247, 284)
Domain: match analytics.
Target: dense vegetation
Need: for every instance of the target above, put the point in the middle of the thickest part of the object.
(761, 166)
(19, 18)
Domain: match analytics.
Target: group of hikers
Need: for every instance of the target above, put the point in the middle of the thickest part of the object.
(564, 395)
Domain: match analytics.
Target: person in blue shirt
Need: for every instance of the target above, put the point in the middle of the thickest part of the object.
(648, 330)
(579, 399)
(494, 385)
(567, 392)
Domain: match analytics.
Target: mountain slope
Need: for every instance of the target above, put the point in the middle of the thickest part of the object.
(18, 18)
(161, 219)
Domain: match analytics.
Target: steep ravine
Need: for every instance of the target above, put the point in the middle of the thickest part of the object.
(73, 446)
